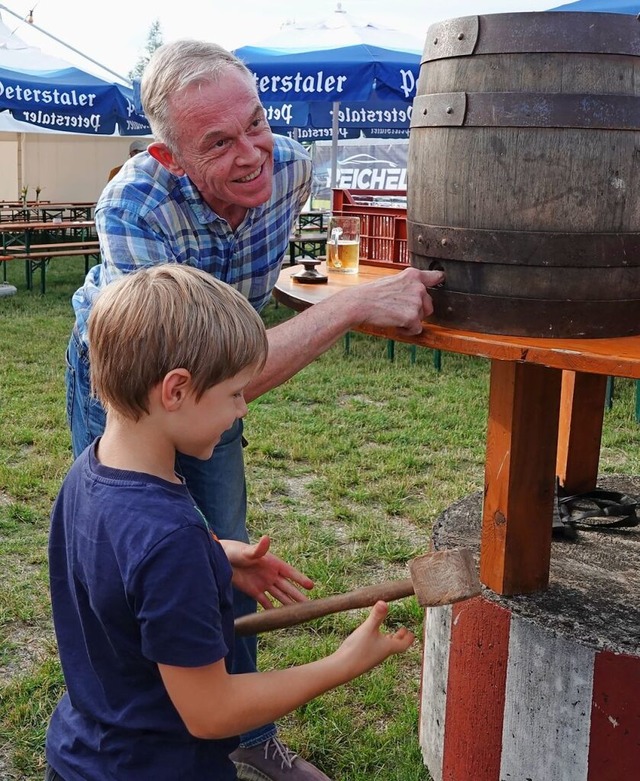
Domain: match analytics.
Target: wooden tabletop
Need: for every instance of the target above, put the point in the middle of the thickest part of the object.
(309, 236)
(546, 407)
(22, 227)
(619, 357)
(8, 211)
(43, 204)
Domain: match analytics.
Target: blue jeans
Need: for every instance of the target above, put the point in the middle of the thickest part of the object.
(217, 486)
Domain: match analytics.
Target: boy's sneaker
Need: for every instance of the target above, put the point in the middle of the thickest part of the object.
(273, 761)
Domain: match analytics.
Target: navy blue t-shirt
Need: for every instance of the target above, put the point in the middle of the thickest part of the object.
(137, 579)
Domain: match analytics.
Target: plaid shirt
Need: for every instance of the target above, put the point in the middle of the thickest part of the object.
(147, 216)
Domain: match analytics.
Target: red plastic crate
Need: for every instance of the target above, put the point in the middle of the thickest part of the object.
(383, 226)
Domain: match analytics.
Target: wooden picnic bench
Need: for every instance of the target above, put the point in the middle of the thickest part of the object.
(37, 255)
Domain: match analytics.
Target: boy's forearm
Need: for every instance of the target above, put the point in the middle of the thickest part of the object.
(214, 704)
(253, 699)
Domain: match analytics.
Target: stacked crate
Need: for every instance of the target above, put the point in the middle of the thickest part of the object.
(383, 223)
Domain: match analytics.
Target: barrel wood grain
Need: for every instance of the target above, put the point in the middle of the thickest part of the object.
(525, 181)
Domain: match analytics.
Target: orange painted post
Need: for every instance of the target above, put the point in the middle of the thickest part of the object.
(580, 430)
(522, 436)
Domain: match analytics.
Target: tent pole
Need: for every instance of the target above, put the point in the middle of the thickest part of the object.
(335, 127)
(126, 80)
(20, 161)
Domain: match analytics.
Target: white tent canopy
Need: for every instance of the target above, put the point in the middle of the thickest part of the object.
(61, 129)
(42, 92)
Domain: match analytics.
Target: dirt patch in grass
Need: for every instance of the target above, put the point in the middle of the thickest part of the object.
(296, 486)
(23, 647)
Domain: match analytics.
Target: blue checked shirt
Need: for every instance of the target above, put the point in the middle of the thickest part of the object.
(147, 216)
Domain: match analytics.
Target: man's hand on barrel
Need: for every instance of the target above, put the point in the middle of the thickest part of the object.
(401, 301)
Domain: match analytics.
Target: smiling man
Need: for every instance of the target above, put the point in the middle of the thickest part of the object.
(218, 191)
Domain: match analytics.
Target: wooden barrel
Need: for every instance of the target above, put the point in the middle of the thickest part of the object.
(524, 173)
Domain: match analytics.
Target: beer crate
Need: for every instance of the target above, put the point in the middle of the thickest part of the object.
(383, 223)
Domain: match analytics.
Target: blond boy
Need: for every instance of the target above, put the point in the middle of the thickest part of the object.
(141, 589)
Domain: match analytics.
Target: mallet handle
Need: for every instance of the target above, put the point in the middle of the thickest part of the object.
(298, 613)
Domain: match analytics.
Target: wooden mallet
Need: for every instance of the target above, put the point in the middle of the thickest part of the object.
(439, 578)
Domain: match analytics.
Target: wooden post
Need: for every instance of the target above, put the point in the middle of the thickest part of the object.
(580, 430)
(522, 436)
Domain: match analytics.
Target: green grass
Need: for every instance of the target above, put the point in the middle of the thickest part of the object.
(348, 465)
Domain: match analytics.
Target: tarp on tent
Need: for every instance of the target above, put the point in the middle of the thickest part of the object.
(603, 6)
(43, 93)
(303, 72)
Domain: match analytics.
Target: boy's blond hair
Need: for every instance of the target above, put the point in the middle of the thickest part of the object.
(168, 317)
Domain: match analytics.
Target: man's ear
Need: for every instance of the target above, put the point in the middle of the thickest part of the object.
(175, 388)
(164, 156)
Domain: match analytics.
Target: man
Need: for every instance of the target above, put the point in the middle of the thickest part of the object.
(218, 191)
(135, 147)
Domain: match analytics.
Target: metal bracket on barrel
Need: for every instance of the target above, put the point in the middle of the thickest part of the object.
(546, 33)
(442, 109)
(526, 109)
(451, 38)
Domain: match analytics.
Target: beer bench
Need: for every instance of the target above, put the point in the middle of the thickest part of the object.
(38, 242)
(39, 255)
(306, 243)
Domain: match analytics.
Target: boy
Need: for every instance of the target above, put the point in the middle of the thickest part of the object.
(141, 590)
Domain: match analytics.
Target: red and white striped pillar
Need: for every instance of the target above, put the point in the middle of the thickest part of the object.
(506, 698)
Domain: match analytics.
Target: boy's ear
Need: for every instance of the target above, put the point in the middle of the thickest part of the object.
(175, 387)
(164, 156)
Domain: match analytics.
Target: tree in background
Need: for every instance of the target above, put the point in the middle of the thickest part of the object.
(154, 41)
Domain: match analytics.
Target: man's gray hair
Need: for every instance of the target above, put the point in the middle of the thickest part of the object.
(173, 67)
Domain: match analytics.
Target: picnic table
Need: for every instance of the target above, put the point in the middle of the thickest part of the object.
(311, 243)
(38, 242)
(313, 219)
(546, 410)
(44, 211)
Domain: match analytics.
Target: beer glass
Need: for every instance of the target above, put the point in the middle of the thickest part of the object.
(343, 244)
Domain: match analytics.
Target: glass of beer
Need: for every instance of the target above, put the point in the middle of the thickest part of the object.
(343, 244)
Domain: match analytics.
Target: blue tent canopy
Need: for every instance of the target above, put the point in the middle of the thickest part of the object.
(379, 118)
(604, 6)
(311, 74)
(344, 73)
(39, 92)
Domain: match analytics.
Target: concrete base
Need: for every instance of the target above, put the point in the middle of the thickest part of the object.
(543, 687)
(7, 290)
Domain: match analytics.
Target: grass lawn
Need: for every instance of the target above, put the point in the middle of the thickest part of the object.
(348, 465)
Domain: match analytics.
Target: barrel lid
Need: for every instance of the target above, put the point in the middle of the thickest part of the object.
(533, 32)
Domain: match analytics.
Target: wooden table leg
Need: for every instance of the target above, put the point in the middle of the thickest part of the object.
(522, 436)
(580, 431)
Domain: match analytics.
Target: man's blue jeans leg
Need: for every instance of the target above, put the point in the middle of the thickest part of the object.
(217, 486)
(85, 415)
